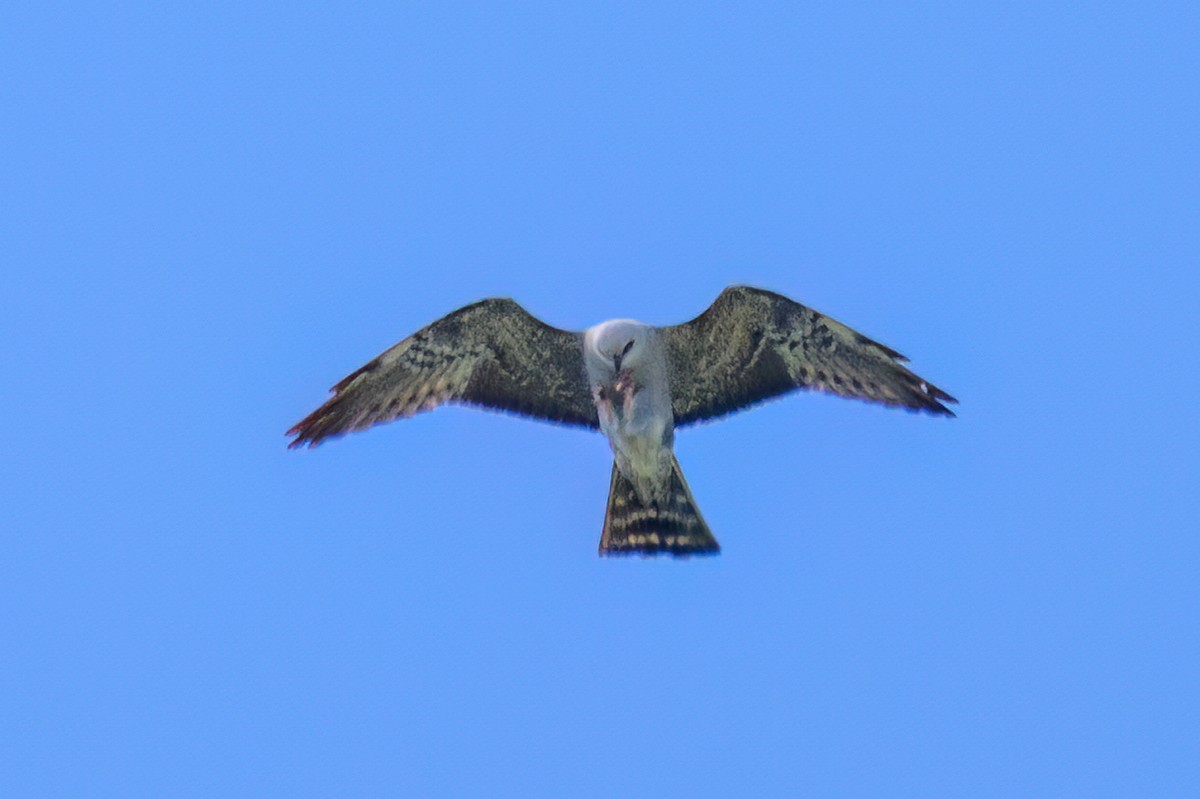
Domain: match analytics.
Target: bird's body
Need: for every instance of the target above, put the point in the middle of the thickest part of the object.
(627, 372)
(634, 382)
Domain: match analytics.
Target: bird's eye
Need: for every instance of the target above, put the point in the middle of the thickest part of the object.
(628, 347)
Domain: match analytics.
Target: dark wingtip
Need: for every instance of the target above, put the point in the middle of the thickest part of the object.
(307, 433)
(937, 397)
(300, 440)
(933, 405)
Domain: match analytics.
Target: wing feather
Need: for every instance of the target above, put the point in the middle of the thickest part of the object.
(751, 345)
(492, 353)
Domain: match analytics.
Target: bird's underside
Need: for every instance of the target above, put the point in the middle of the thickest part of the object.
(749, 346)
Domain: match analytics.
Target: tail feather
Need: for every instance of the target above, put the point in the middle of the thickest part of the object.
(672, 526)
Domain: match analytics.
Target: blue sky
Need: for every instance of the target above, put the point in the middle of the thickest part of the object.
(212, 212)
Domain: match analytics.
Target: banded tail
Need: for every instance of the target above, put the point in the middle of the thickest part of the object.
(671, 527)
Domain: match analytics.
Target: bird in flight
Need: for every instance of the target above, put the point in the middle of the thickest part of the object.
(634, 382)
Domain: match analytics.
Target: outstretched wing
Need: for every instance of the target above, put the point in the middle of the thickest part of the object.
(492, 353)
(751, 345)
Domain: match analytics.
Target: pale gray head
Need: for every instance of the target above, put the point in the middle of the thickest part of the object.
(617, 344)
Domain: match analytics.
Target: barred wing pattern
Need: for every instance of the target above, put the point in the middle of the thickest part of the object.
(751, 345)
(492, 353)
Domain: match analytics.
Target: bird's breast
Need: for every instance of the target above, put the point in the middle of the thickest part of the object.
(639, 429)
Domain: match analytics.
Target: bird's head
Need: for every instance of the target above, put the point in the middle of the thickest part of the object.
(616, 346)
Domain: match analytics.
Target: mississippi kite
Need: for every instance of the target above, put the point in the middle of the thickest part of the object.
(634, 382)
